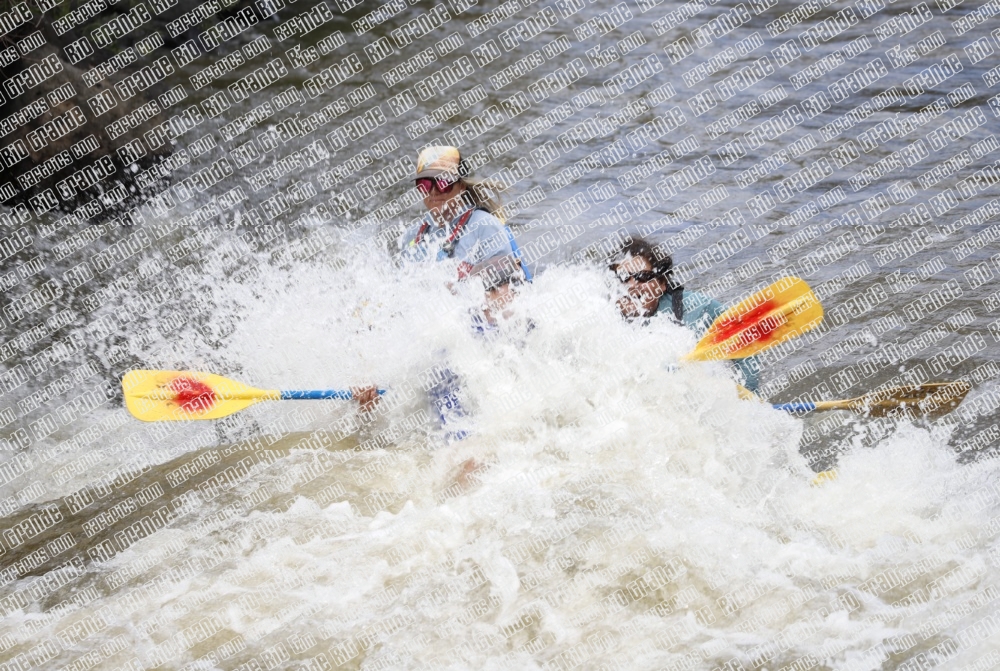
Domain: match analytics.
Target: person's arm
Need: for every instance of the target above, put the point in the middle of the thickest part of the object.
(495, 241)
(703, 311)
(408, 246)
(749, 370)
(699, 311)
(488, 237)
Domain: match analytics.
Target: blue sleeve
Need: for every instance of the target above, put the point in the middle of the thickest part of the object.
(749, 370)
(408, 237)
(486, 238)
(699, 313)
(408, 248)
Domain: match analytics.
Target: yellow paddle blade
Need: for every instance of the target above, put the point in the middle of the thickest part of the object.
(165, 395)
(783, 310)
(933, 400)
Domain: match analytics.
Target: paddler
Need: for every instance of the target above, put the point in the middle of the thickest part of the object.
(652, 292)
(463, 226)
(500, 276)
(463, 221)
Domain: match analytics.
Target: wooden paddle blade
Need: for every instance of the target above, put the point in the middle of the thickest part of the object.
(170, 395)
(783, 310)
(933, 400)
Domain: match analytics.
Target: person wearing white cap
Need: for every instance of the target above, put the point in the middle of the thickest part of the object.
(463, 225)
(463, 221)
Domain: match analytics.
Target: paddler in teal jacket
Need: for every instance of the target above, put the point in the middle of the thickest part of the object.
(653, 292)
(462, 221)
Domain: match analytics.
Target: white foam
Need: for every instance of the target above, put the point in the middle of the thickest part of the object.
(603, 466)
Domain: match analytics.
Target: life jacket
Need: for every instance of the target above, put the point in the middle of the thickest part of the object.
(448, 246)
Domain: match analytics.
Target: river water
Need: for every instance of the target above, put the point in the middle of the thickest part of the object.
(628, 512)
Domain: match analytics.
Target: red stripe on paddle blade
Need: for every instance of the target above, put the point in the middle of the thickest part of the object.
(193, 396)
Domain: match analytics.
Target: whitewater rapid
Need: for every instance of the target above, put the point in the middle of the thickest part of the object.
(626, 511)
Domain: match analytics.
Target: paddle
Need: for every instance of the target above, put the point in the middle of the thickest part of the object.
(779, 312)
(164, 395)
(769, 317)
(933, 399)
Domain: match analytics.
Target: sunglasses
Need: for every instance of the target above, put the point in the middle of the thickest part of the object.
(641, 276)
(426, 185)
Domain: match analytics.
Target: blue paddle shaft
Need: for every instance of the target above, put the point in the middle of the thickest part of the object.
(315, 394)
(805, 406)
